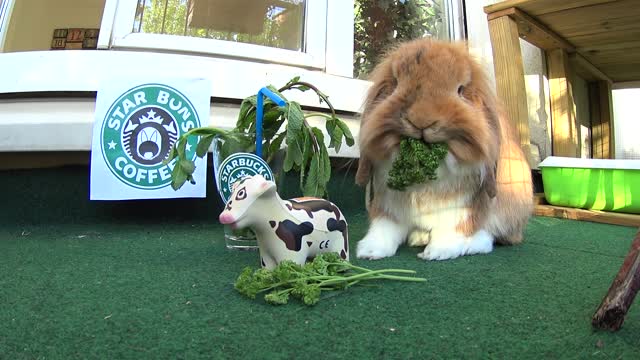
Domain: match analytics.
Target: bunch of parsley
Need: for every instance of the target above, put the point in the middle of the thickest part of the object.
(417, 162)
(327, 272)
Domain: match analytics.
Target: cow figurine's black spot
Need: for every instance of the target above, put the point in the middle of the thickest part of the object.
(333, 225)
(292, 233)
(311, 206)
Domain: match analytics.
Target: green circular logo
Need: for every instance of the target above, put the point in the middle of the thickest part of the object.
(139, 130)
(239, 166)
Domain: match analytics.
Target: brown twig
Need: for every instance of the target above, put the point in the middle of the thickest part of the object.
(614, 307)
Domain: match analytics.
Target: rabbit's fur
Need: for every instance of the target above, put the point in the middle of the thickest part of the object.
(483, 194)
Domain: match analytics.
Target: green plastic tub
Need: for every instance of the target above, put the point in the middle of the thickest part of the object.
(595, 184)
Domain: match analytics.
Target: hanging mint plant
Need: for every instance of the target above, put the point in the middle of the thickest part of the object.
(305, 151)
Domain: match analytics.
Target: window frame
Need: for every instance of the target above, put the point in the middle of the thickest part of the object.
(456, 19)
(314, 35)
(6, 9)
(72, 73)
(47, 70)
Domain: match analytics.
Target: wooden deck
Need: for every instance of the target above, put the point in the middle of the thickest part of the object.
(542, 208)
(605, 32)
(599, 40)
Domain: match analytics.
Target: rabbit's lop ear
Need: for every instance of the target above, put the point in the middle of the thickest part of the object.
(489, 183)
(364, 171)
(383, 84)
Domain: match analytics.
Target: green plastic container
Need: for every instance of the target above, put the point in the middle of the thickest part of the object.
(595, 184)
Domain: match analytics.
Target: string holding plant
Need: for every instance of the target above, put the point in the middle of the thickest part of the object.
(305, 150)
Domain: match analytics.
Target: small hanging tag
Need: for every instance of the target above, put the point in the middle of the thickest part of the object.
(238, 166)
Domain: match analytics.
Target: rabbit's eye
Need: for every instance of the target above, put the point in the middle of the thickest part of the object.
(460, 90)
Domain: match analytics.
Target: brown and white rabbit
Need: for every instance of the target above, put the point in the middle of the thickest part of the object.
(434, 91)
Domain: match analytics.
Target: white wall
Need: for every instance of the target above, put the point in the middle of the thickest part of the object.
(32, 22)
(626, 123)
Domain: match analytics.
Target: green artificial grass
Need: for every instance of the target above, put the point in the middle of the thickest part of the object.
(153, 279)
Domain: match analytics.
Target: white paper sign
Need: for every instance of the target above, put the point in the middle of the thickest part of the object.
(137, 121)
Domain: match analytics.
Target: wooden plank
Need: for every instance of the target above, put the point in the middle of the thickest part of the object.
(509, 73)
(626, 85)
(564, 134)
(612, 45)
(539, 199)
(616, 15)
(586, 69)
(533, 31)
(587, 215)
(605, 38)
(621, 56)
(538, 7)
(590, 29)
(621, 72)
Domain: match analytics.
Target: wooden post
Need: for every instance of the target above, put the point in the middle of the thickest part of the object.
(564, 134)
(601, 109)
(509, 73)
(606, 119)
(597, 141)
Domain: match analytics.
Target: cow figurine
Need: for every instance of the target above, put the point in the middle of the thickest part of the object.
(295, 229)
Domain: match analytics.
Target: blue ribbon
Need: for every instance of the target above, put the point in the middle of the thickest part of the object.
(259, 114)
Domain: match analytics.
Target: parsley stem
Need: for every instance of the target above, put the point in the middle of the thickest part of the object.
(355, 267)
(373, 274)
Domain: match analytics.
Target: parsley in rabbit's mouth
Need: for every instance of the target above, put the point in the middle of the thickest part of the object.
(417, 162)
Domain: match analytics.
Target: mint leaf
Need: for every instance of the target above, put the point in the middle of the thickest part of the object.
(277, 143)
(307, 153)
(187, 166)
(204, 144)
(295, 135)
(348, 137)
(294, 80)
(172, 154)
(313, 178)
(245, 119)
(178, 177)
(182, 145)
(335, 135)
(295, 116)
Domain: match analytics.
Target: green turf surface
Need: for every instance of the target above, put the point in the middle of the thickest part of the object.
(152, 279)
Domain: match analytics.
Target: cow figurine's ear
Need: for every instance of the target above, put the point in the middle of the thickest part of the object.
(265, 185)
(237, 183)
(235, 186)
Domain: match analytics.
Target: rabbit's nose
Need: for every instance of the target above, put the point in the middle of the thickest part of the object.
(433, 134)
(409, 129)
